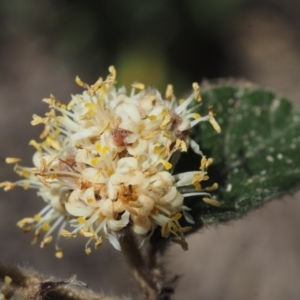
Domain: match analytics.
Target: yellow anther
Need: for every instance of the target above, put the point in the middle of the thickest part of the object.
(198, 177)
(51, 101)
(99, 242)
(86, 233)
(166, 164)
(46, 227)
(177, 144)
(164, 112)
(185, 229)
(89, 105)
(96, 86)
(36, 145)
(59, 253)
(102, 150)
(88, 251)
(90, 200)
(36, 120)
(212, 188)
(25, 221)
(6, 286)
(45, 131)
(26, 184)
(70, 105)
(81, 83)
(169, 92)
(196, 88)
(51, 114)
(168, 147)
(157, 149)
(205, 163)
(212, 120)
(165, 229)
(46, 241)
(167, 134)
(112, 77)
(183, 146)
(12, 160)
(177, 217)
(81, 220)
(37, 218)
(149, 135)
(28, 228)
(212, 202)
(166, 121)
(52, 142)
(67, 234)
(198, 186)
(196, 116)
(209, 162)
(95, 161)
(182, 243)
(35, 237)
(139, 86)
(105, 149)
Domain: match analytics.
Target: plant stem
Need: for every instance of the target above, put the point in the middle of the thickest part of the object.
(136, 261)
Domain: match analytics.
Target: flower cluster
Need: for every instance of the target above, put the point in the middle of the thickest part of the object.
(105, 162)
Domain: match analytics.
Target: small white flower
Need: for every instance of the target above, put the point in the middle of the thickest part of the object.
(106, 162)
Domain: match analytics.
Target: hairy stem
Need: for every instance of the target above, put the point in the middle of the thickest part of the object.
(32, 286)
(155, 258)
(67, 293)
(155, 251)
(136, 261)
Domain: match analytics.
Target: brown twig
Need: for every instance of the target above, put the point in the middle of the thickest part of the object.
(33, 286)
(68, 293)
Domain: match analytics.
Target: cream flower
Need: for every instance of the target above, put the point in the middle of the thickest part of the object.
(106, 161)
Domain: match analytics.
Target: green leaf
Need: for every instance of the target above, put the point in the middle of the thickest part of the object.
(256, 157)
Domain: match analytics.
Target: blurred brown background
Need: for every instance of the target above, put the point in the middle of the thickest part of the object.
(45, 44)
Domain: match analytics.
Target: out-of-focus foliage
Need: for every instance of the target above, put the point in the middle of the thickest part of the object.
(158, 39)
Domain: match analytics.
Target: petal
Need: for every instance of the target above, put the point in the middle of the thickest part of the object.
(126, 165)
(141, 225)
(78, 210)
(169, 197)
(147, 204)
(117, 225)
(139, 148)
(195, 147)
(84, 133)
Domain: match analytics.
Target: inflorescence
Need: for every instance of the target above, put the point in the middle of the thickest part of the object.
(106, 160)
